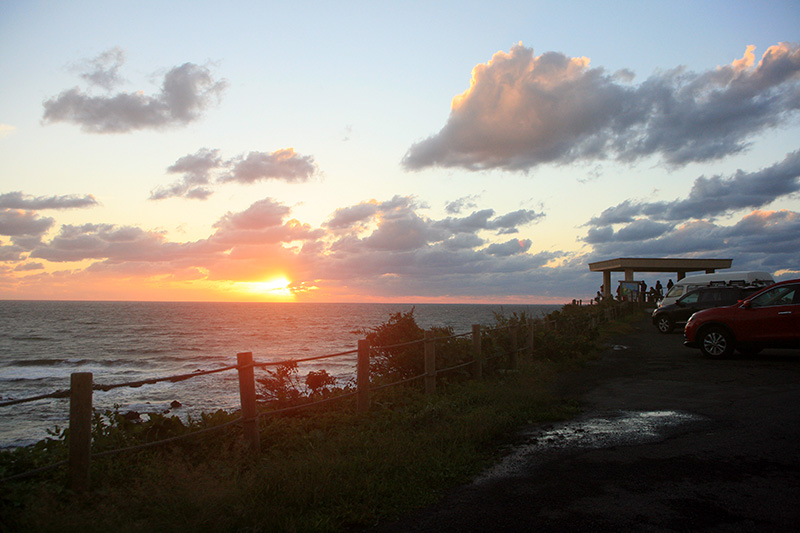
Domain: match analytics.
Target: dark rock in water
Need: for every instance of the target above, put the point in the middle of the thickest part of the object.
(131, 415)
(175, 404)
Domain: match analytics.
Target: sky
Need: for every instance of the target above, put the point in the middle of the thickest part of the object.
(420, 152)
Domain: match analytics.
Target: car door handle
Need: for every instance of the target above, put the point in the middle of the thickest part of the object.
(785, 313)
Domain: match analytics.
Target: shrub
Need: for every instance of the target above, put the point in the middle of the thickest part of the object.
(397, 354)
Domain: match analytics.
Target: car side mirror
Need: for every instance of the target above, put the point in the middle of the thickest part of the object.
(746, 304)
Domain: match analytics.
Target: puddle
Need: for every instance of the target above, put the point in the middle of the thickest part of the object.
(619, 428)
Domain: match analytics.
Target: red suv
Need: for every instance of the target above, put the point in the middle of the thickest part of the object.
(769, 318)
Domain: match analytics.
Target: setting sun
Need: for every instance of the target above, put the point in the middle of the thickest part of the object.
(275, 288)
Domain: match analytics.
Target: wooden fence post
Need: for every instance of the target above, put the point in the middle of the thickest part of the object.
(477, 355)
(514, 331)
(362, 376)
(430, 363)
(80, 431)
(247, 393)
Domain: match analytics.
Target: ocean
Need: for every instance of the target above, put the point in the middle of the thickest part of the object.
(43, 342)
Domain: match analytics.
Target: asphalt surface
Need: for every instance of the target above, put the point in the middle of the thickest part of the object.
(668, 441)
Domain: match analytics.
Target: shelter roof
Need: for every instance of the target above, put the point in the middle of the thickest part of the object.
(639, 264)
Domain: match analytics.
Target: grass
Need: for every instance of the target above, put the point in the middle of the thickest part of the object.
(330, 469)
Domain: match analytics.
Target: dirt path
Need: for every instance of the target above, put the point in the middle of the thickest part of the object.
(669, 441)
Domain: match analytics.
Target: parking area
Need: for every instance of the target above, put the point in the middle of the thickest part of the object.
(668, 441)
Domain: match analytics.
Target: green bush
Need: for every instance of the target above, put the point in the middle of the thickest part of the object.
(396, 352)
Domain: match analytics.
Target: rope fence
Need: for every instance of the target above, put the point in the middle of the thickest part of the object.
(80, 393)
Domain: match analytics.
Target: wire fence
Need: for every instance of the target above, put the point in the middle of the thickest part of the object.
(250, 416)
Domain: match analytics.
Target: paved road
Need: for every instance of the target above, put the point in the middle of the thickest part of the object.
(669, 441)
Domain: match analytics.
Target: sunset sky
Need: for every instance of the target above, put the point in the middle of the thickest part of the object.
(390, 151)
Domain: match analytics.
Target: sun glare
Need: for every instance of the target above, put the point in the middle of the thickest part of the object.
(276, 288)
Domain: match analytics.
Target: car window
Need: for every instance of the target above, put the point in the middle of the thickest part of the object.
(690, 298)
(784, 295)
(710, 297)
(730, 297)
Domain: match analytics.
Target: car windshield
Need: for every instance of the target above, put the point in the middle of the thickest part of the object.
(675, 291)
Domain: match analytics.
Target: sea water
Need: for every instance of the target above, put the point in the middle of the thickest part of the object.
(42, 343)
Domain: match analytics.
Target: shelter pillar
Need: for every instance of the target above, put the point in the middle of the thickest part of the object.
(606, 284)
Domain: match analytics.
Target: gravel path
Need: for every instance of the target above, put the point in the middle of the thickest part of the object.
(669, 441)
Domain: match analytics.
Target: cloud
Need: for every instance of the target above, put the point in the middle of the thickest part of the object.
(514, 246)
(522, 111)
(348, 217)
(456, 206)
(482, 220)
(186, 92)
(637, 230)
(761, 240)
(509, 222)
(18, 200)
(376, 247)
(28, 267)
(200, 169)
(103, 241)
(195, 170)
(9, 254)
(715, 196)
(284, 165)
(756, 238)
(103, 70)
(263, 213)
(23, 223)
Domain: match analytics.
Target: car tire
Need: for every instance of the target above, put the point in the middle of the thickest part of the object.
(716, 343)
(665, 324)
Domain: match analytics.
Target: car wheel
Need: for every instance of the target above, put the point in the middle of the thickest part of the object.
(664, 324)
(716, 343)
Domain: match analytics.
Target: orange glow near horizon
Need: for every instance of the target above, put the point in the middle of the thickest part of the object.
(276, 288)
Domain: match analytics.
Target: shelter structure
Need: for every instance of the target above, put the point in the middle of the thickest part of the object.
(631, 265)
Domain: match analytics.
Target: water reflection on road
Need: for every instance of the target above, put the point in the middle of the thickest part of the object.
(617, 428)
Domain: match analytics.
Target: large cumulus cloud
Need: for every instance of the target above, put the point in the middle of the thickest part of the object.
(523, 110)
(186, 92)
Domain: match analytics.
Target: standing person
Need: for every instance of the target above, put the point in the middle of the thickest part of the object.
(659, 289)
(669, 284)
